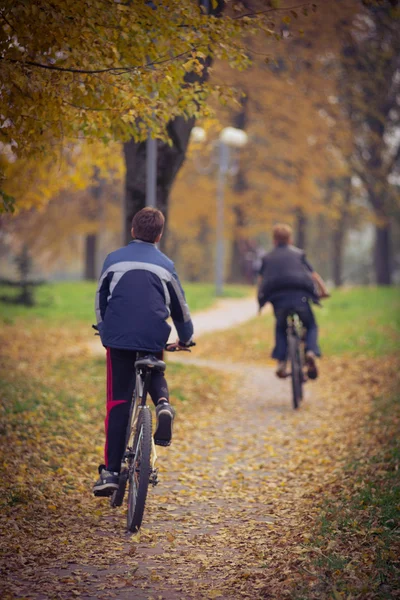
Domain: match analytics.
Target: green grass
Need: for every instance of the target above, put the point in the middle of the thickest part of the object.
(364, 320)
(357, 538)
(74, 301)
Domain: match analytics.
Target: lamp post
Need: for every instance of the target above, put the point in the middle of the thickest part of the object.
(151, 171)
(223, 168)
(229, 138)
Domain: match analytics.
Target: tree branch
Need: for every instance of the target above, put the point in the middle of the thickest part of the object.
(114, 70)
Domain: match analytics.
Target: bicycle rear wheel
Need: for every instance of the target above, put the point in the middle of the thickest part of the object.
(139, 470)
(296, 368)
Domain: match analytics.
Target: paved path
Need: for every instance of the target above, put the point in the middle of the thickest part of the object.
(227, 312)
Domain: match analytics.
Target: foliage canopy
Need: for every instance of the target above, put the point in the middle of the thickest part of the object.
(109, 69)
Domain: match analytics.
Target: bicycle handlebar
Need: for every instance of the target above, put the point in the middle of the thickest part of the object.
(174, 348)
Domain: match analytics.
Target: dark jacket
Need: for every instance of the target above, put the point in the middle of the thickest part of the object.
(138, 290)
(285, 268)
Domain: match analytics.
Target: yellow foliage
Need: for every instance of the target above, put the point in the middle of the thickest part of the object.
(34, 181)
(57, 202)
(109, 70)
(298, 138)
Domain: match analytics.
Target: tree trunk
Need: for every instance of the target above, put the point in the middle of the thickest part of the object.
(169, 157)
(337, 258)
(169, 161)
(301, 229)
(383, 272)
(92, 239)
(90, 257)
(236, 274)
(382, 252)
(237, 271)
(339, 232)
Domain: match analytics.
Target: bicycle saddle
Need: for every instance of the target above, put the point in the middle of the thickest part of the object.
(151, 362)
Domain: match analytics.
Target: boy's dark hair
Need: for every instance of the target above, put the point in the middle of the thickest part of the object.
(147, 224)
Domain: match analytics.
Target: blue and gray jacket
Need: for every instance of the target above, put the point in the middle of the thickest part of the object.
(138, 290)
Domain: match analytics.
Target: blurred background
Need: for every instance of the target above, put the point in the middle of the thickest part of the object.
(319, 105)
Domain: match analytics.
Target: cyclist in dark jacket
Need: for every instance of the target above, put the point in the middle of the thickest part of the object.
(137, 291)
(289, 282)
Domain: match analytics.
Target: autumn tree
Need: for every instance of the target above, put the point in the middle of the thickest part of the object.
(111, 70)
(290, 156)
(76, 197)
(370, 94)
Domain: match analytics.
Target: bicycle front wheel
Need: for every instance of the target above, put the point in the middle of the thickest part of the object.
(297, 374)
(139, 470)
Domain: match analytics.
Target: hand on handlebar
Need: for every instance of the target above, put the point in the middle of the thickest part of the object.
(178, 346)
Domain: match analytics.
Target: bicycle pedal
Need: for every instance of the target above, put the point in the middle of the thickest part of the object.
(153, 478)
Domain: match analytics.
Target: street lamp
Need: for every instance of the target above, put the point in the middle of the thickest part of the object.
(151, 171)
(229, 138)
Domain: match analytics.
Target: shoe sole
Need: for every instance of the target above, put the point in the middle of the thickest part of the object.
(163, 434)
(105, 490)
(281, 375)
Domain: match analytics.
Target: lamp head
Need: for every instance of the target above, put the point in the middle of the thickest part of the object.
(198, 134)
(235, 138)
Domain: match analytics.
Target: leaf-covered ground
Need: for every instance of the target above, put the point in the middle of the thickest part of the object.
(255, 500)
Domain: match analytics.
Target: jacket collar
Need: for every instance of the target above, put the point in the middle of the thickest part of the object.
(141, 242)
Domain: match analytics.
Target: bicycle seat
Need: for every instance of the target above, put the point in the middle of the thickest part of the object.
(150, 362)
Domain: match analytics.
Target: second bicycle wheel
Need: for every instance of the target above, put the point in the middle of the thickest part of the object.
(139, 470)
(297, 375)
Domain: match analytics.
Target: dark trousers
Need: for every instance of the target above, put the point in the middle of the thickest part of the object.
(120, 387)
(306, 315)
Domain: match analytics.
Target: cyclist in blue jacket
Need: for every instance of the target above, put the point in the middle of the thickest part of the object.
(289, 282)
(137, 291)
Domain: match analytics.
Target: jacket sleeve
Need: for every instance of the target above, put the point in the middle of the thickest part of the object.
(102, 292)
(261, 293)
(179, 309)
(261, 267)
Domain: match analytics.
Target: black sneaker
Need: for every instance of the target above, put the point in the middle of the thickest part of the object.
(165, 416)
(107, 482)
(311, 362)
(281, 369)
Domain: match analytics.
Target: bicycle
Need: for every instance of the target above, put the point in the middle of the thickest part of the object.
(138, 468)
(296, 335)
(296, 355)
